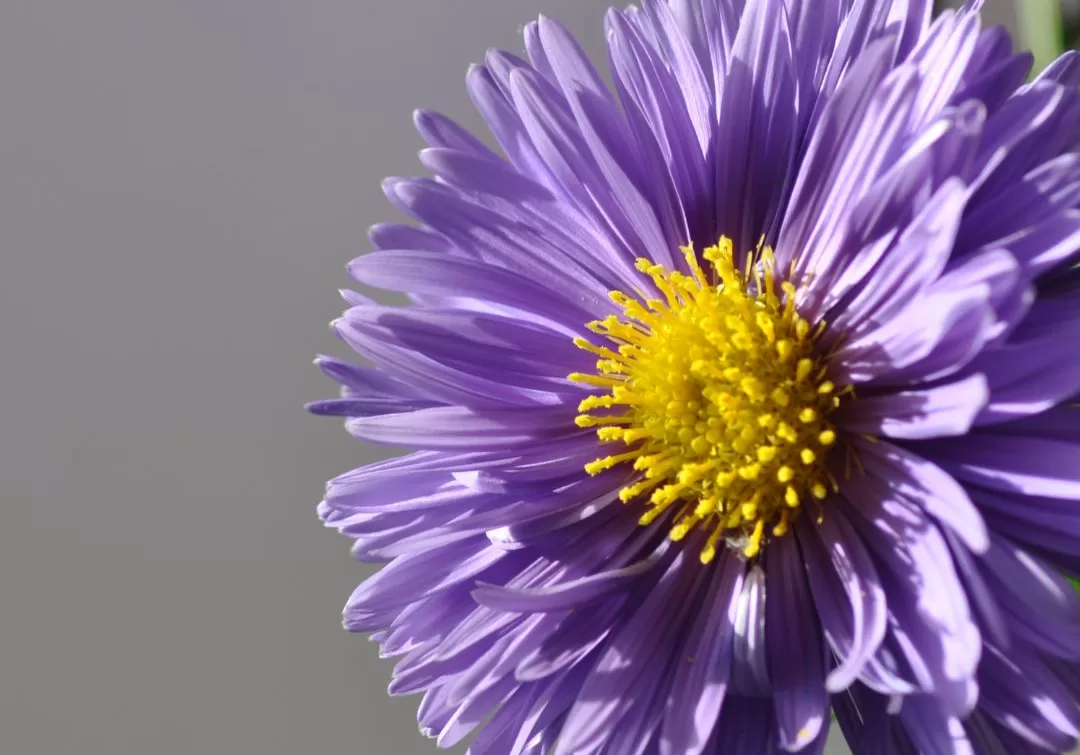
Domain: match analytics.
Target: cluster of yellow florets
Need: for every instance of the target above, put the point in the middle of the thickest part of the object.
(715, 394)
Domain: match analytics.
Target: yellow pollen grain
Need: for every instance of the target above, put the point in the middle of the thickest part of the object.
(709, 383)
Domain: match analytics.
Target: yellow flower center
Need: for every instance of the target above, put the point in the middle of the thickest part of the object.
(717, 397)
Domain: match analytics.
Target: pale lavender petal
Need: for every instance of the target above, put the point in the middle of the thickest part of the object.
(443, 133)
(612, 146)
(565, 595)
(426, 272)
(423, 574)
(661, 124)
(849, 598)
(750, 671)
(929, 613)
(920, 482)
(477, 428)
(931, 339)
(907, 271)
(945, 410)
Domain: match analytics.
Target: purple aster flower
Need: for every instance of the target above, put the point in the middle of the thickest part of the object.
(737, 396)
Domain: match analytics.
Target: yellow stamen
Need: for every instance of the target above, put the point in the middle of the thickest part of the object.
(713, 383)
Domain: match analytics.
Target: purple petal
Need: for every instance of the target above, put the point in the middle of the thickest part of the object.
(576, 638)
(710, 28)
(559, 142)
(983, 599)
(906, 271)
(746, 728)
(849, 598)
(994, 72)
(815, 25)
(449, 366)
(611, 144)
(1043, 607)
(945, 410)
(506, 126)
(845, 152)
(750, 670)
(398, 236)
(933, 338)
(458, 427)
(920, 482)
(622, 672)
(427, 273)
(999, 271)
(755, 137)
(943, 151)
(943, 54)
(1010, 194)
(565, 595)
(1037, 369)
(1046, 245)
(1023, 696)
(661, 125)
(469, 172)
(443, 133)
(796, 652)
(497, 737)
(507, 349)
(1049, 524)
(410, 578)
(1065, 70)
(929, 613)
(496, 235)
(692, 85)
(1029, 465)
(700, 684)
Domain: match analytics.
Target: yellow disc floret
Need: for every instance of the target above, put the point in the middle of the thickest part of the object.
(714, 392)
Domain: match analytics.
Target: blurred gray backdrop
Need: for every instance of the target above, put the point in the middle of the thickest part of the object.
(181, 185)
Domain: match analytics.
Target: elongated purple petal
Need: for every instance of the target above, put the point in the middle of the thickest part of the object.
(795, 649)
(848, 595)
(700, 685)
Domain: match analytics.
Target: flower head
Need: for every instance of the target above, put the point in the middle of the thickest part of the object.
(736, 396)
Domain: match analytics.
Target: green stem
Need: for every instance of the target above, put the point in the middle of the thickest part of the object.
(1041, 29)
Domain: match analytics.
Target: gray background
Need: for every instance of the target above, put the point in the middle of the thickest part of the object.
(181, 185)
